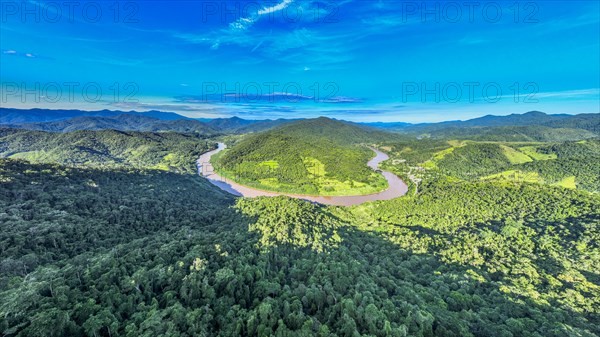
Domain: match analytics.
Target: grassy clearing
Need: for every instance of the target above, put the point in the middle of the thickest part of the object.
(440, 155)
(272, 164)
(568, 182)
(531, 151)
(314, 167)
(161, 167)
(32, 156)
(431, 163)
(168, 162)
(514, 156)
(457, 143)
(517, 176)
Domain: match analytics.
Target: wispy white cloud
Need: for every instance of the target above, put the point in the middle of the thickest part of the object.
(275, 97)
(292, 46)
(285, 41)
(243, 23)
(246, 22)
(594, 92)
(29, 55)
(280, 6)
(196, 110)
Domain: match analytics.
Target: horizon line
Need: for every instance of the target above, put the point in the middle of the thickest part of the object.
(125, 112)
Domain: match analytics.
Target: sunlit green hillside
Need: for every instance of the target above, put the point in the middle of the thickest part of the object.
(101, 253)
(566, 164)
(319, 157)
(107, 148)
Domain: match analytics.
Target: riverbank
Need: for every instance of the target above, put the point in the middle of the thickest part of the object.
(396, 187)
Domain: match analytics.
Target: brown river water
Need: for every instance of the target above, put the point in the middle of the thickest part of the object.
(396, 187)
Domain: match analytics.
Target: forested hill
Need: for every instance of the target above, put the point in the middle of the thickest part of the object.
(531, 126)
(567, 164)
(123, 122)
(239, 125)
(499, 238)
(106, 148)
(528, 118)
(533, 133)
(123, 253)
(151, 121)
(340, 132)
(15, 116)
(316, 156)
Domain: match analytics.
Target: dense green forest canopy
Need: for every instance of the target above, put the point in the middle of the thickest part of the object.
(319, 156)
(497, 239)
(510, 133)
(568, 164)
(35, 115)
(83, 255)
(531, 126)
(149, 121)
(106, 148)
(236, 125)
(120, 122)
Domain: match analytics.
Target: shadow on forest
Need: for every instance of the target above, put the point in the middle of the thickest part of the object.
(52, 212)
(154, 250)
(466, 286)
(366, 268)
(382, 259)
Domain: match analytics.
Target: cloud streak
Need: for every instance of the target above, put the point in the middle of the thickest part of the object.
(247, 22)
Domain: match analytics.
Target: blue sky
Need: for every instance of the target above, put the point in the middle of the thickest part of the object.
(352, 59)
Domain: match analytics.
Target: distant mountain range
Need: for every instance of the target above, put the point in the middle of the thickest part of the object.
(526, 119)
(119, 122)
(530, 126)
(535, 125)
(19, 116)
(75, 120)
(239, 125)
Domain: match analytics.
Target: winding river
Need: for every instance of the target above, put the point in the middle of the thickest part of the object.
(396, 187)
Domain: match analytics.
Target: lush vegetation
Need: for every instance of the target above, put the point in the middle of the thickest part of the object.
(512, 134)
(236, 125)
(567, 164)
(318, 157)
(107, 148)
(11, 116)
(531, 126)
(496, 239)
(120, 122)
(149, 121)
(83, 254)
